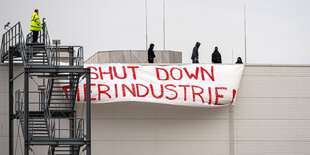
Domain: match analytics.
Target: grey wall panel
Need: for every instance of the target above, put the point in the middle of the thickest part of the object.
(272, 108)
(272, 130)
(160, 147)
(159, 129)
(272, 87)
(134, 56)
(4, 103)
(4, 141)
(277, 71)
(138, 57)
(4, 76)
(102, 57)
(272, 148)
(154, 111)
(4, 127)
(271, 113)
(271, 118)
(117, 56)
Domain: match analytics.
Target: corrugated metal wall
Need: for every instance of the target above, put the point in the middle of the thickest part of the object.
(272, 114)
(271, 118)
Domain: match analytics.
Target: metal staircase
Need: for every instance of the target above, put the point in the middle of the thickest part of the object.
(47, 115)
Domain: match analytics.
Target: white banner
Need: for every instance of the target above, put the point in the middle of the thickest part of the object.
(207, 85)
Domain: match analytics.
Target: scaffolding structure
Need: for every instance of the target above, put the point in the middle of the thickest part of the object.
(47, 115)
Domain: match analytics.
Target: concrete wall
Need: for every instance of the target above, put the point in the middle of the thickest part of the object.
(135, 56)
(271, 117)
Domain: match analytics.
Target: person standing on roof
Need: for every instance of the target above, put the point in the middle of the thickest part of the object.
(35, 26)
(216, 56)
(195, 54)
(239, 61)
(150, 54)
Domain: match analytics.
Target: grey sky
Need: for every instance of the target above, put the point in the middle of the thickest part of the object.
(278, 31)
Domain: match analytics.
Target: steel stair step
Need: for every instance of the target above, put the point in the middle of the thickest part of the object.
(61, 82)
(59, 99)
(61, 87)
(32, 124)
(37, 58)
(62, 95)
(37, 120)
(39, 130)
(36, 62)
(53, 108)
(62, 91)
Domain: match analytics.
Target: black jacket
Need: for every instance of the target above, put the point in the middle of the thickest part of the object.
(150, 53)
(216, 57)
(195, 54)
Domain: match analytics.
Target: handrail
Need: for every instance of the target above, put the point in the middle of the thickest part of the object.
(43, 38)
(48, 117)
(19, 104)
(80, 129)
(13, 38)
(60, 55)
(80, 57)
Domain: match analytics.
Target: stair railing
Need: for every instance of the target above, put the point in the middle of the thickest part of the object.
(49, 120)
(47, 113)
(43, 38)
(80, 129)
(49, 89)
(19, 108)
(80, 57)
(13, 38)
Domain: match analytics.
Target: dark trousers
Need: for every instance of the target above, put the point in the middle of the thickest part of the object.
(35, 36)
(151, 60)
(197, 61)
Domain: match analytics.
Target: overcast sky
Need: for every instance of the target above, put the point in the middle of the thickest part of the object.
(278, 31)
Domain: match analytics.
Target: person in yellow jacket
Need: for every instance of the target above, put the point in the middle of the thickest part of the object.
(35, 26)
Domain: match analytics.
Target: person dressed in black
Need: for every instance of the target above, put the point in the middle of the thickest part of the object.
(239, 60)
(195, 54)
(216, 56)
(150, 54)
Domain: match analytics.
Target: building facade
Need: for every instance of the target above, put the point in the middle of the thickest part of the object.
(270, 117)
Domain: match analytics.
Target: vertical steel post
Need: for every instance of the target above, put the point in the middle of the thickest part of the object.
(72, 130)
(44, 33)
(88, 113)
(71, 120)
(71, 56)
(26, 117)
(11, 102)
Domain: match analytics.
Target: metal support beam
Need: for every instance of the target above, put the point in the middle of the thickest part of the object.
(57, 70)
(26, 114)
(88, 113)
(44, 30)
(11, 102)
(71, 120)
(72, 128)
(71, 56)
